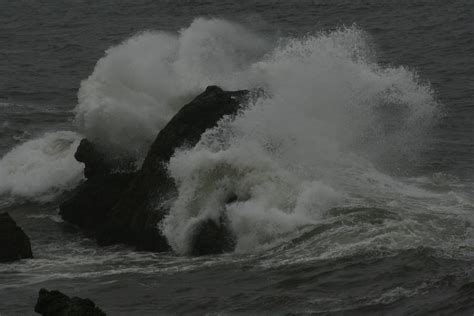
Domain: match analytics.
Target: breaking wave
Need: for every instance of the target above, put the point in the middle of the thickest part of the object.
(330, 121)
(329, 124)
(41, 168)
(140, 84)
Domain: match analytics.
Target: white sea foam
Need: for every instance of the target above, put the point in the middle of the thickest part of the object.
(140, 84)
(41, 168)
(329, 116)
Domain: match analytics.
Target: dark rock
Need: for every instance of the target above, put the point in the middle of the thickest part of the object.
(106, 180)
(89, 207)
(55, 303)
(99, 163)
(118, 207)
(14, 243)
(94, 161)
(135, 217)
(212, 238)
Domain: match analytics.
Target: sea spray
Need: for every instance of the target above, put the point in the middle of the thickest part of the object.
(269, 200)
(316, 139)
(140, 84)
(41, 168)
(329, 122)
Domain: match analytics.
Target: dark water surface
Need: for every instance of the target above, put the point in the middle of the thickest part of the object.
(414, 259)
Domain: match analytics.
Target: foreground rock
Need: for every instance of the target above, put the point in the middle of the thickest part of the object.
(55, 303)
(127, 209)
(14, 243)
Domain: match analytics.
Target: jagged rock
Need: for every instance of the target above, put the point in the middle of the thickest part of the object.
(55, 303)
(14, 243)
(134, 218)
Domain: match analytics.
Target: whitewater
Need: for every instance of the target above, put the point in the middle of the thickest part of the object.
(329, 122)
(324, 161)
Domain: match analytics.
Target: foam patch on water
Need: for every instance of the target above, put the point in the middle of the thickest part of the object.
(41, 168)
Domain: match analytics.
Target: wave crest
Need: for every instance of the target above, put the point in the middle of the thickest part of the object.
(140, 84)
(329, 118)
(41, 168)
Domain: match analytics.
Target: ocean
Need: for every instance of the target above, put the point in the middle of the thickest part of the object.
(354, 168)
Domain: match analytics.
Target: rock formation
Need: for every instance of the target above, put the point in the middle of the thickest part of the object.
(55, 303)
(106, 181)
(14, 243)
(126, 208)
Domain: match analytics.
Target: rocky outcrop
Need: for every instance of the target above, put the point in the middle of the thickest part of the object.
(126, 208)
(135, 217)
(89, 207)
(14, 243)
(98, 162)
(55, 303)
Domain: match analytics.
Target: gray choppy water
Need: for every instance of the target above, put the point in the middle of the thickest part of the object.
(402, 246)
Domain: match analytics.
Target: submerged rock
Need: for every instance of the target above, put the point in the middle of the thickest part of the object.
(126, 208)
(55, 303)
(14, 243)
(212, 238)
